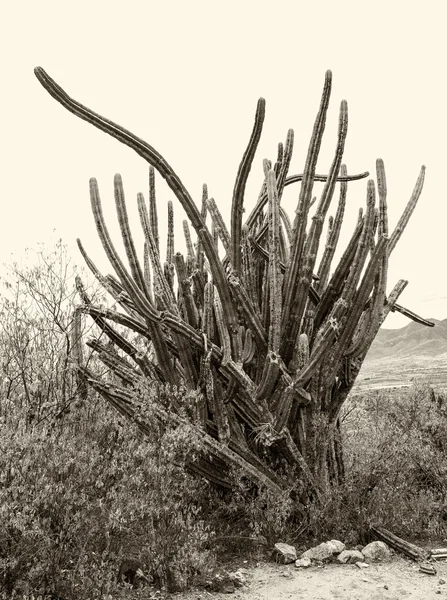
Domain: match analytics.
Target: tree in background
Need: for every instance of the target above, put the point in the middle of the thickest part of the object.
(255, 316)
(36, 336)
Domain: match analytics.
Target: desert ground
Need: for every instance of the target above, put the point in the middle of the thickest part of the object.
(398, 578)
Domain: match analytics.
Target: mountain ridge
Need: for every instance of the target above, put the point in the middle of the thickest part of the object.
(413, 339)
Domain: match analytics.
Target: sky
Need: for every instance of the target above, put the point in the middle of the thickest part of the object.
(186, 76)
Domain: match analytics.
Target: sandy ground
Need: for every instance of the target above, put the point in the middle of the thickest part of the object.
(399, 578)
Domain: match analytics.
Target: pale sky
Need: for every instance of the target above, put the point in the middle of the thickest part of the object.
(186, 76)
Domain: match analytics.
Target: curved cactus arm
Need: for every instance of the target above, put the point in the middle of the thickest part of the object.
(124, 136)
(333, 237)
(155, 159)
(322, 178)
(126, 234)
(395, 236)
(299, 227)
(262, 200)
(141, 303)
(239, 187)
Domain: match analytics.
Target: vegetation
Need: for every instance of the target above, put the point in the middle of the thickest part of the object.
(269, 338)
(231, 365)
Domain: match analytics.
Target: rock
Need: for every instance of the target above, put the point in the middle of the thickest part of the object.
(441, 581)
(223, 584)
(238, 577)
(323, 551)
(362, 565)
(303, 563)
(350, 556)
(376, 551)
(337, 546)
(284, 553)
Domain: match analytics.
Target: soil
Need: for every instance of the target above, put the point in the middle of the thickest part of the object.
(393, 580)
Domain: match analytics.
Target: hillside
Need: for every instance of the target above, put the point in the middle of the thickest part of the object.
(409, 341)
(400, 356)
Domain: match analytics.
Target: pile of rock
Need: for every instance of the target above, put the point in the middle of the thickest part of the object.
(332, 551)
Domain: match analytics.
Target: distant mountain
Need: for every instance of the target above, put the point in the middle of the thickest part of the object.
(412, 340)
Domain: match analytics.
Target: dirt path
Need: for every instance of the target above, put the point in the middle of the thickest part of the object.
(390, 581)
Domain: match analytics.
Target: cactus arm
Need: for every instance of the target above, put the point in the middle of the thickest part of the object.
(155, 159)
(382, 189)
(286, 223)
(203, 214)
(322, 178)
(269, 377)
(333, 237)
(184, 283)
(354, 314)
(299, 228)
(141, 302)
(334, 288)
(239, 187)
(395, 236)
(187, 234)
(296, 312)
(219, 223)
(362, 247)
(147, 272)
(170, 239)
(164, 289)
(153, 208)
(285, 163)
(225, 341)
(411, 315)
(118, 295)
(208, 315)
(128, 242)
(274, 268)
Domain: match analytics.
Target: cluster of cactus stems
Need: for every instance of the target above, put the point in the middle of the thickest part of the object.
(271, 338)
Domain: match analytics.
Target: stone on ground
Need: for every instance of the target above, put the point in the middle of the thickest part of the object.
(285, 553)
(350, 556)
(321, 552)
(376, 551)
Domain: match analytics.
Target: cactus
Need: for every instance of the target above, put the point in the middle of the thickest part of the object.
(269, 338)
